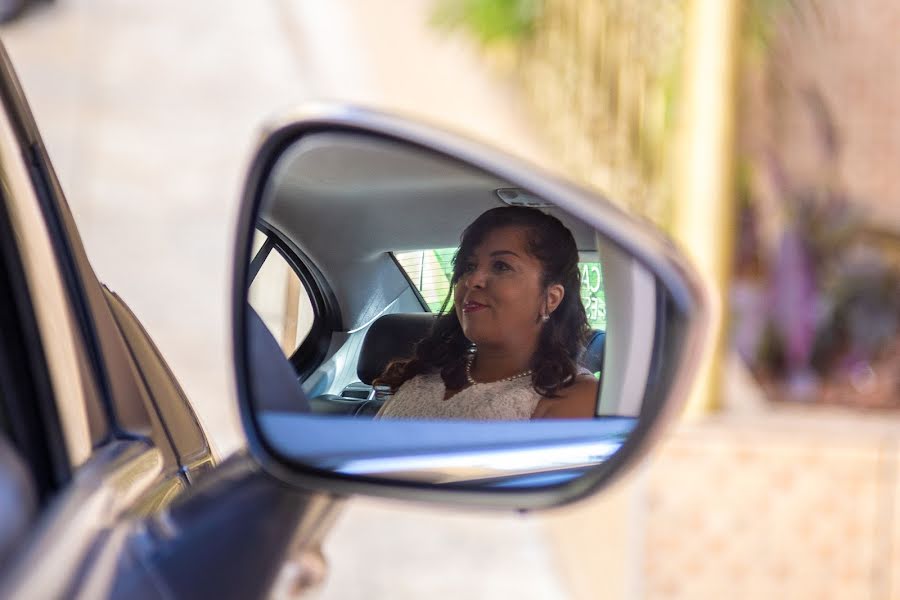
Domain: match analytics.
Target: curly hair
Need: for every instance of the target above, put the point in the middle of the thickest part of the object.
(554, 364)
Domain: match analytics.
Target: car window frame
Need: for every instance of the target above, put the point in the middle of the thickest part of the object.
(38, 231)
(111, 390)
(27, 400)
(313, 350)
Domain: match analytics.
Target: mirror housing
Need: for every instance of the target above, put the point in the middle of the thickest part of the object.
(666, 389)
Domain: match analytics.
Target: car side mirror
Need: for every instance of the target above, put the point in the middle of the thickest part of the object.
(416, 315)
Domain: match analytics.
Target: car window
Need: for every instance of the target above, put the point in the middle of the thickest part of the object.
(431, 270)
(279, 297)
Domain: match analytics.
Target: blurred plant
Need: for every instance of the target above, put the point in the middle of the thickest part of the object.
(489, 21)
(761, 19)
(863, 293)
(824, 307)
(603, 80)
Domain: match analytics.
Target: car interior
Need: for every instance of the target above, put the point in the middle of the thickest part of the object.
(380, 206)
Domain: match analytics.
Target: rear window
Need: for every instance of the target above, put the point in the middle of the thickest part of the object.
(279, 297)
(431, 270)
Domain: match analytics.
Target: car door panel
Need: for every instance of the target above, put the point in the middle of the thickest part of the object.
(133, 444)
(57, 556)
(227, 537)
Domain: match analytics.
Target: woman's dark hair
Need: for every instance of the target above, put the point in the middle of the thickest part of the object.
(562, 337)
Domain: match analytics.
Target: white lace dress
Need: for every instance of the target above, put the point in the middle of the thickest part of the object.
(422, 397)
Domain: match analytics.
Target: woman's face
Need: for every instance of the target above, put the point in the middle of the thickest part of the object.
(499, 297)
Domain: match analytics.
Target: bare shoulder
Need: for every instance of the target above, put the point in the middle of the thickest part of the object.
(577, 401)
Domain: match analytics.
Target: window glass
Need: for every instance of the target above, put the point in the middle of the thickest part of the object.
(281, 300)
(431, 271)
(593, 295)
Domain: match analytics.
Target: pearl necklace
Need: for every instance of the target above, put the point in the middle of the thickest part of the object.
(472, 381)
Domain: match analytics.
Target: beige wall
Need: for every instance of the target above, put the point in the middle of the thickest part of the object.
(825, 105)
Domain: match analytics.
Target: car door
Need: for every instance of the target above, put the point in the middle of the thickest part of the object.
(95, 416)
(98, 443)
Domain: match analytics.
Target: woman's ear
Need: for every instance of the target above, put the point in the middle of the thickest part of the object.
(555, 295)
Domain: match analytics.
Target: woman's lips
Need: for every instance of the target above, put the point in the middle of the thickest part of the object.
(470, 307)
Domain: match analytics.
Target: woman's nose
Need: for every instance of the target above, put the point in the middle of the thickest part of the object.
(477, 278)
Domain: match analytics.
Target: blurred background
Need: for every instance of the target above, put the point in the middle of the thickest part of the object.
(762, 135)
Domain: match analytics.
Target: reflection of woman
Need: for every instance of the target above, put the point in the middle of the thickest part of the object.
(508, 350)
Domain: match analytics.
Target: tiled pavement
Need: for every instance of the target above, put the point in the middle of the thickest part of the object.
(786, 502)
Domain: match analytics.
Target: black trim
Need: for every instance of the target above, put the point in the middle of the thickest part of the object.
(664, 308)
(257, 262)
(26, 391)
(307, 357)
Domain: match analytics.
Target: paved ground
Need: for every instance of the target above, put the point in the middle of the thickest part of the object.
(150, 111)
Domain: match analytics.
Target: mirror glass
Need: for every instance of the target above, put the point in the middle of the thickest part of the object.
(411, 316)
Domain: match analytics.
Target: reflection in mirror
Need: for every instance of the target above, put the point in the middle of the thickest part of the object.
(403, 303)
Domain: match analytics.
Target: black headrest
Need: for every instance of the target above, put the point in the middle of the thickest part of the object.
(391, 337)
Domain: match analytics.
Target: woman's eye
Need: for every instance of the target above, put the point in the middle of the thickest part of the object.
(502, 266)
(469, 267)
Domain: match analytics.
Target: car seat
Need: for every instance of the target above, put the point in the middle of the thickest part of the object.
(272, 377)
